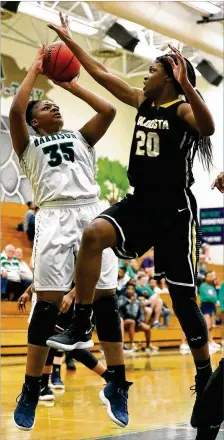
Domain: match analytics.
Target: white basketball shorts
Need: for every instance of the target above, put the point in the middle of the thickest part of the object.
(58, 233)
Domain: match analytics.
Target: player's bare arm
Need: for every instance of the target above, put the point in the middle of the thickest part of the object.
(18, 127)
(97, 126)
(119, 88)
(196, 113)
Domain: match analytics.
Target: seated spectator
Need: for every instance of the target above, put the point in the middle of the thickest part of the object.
(123, 278)
(25, 272)
(128, 265)
(209, 298)
(151, 302)
(31, 224)
(163, 285)
(29, 213)
(166, 312)
(205, 250)
(148, 264)
(11, 287)
(142, 288)
(132, 316)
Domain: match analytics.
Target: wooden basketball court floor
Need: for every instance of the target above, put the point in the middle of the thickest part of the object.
(160, 402)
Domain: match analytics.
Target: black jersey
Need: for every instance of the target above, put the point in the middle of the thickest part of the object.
(162, 149)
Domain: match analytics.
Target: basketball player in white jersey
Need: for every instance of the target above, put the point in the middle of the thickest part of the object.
(60, 168)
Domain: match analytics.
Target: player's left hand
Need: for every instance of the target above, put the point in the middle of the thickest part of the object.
(21, 304)
(63, 31)
(66, 302)
(179, 69)
(219, 182)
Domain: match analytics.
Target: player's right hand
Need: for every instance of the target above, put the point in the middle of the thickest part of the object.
(219, 182)
(38, 62)
(22, 301)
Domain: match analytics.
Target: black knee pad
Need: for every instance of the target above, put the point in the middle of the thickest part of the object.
(108, 323)
(85, 357)
(190, 317)
(42, 323)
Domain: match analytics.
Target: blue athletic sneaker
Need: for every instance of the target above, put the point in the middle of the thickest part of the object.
(24, 415)
(115, 397)
(56, 382)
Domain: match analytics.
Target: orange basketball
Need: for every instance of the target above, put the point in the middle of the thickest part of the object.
(60, 63)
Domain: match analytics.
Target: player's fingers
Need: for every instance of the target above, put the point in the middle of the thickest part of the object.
(171, 61)
(66, 20)
(61, 18)
(53, 27)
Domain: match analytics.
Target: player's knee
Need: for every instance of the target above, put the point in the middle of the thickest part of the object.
(92, 237)
(42, 323)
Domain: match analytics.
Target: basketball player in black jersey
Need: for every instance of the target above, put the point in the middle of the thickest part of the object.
(172, 124)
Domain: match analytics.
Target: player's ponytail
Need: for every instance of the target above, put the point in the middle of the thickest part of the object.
(203, 145)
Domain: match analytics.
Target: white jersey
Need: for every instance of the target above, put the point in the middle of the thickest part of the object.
(60, 167)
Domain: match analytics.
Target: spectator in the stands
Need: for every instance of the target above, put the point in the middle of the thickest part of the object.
(205, 250)
(25, 272)
(142, 287)
(123, 279)
(132, 316)
(150, 300)
(11, 287)
(148, 263)
(128, 265)
(31, 224)
(29, 213)
(209, 298)
(166, 312)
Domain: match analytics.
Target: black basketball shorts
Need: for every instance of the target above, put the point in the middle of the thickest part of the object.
(170, 226)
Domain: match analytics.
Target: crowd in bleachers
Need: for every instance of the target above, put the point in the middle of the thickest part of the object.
(142, 308)
(139, 295)
(16, 274)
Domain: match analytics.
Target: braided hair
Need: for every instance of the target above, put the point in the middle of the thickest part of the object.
(203, 144)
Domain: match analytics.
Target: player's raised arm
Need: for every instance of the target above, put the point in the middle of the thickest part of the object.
(17, 114)
(119, 88)
(97, 126)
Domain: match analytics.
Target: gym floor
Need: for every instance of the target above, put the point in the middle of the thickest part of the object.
(160, 402)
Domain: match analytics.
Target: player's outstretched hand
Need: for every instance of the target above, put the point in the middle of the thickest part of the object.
(219, 182)
(63, 31)
(24, 298)
(179, 69)
(38, 62)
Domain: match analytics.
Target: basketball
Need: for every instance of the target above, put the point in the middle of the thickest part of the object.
(60, 63)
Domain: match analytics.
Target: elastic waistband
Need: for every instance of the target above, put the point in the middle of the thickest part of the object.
(69, 203)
